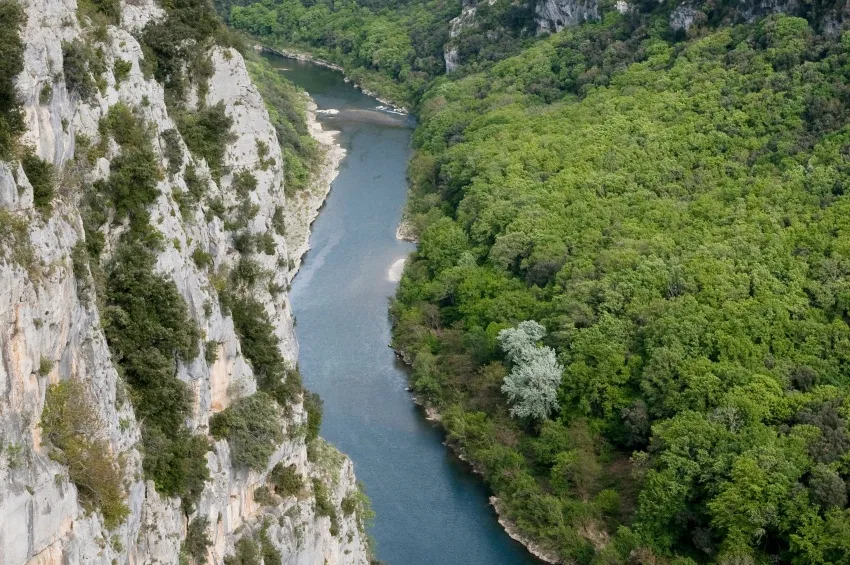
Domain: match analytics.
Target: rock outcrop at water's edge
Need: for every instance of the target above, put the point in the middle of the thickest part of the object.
(50, 325)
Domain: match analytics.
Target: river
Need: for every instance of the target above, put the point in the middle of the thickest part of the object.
(430, 510)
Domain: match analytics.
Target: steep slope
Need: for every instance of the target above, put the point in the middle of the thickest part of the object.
(61, 315)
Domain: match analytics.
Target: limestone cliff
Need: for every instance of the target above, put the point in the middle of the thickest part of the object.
(51, 331)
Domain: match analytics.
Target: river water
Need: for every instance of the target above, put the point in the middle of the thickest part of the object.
(430, 510)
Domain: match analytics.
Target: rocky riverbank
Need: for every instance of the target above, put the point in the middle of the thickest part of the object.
(307, 203)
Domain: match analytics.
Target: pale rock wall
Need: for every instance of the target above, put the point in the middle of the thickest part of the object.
(43, 316)
(555, 15)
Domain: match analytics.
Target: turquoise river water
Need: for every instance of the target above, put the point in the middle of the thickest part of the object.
(430, 509)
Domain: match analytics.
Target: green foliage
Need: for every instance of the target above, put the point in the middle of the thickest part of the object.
(179, 43)
(12, 19)
(197, 540)
(271, 555)
(252, 427)
(15, 244)
(80, 442)
(46, 93)
(244, 182)
(622, 186)
(173, 152)
(358, 504)
(133, 174)
(121, 70)
(207, 133)
(202, 259)
(265, 497)
(42, 177)
(102, 12)
(148, 328)
(246, 552)
(278, 223)
(286, 480)
(45, 365)
(390, 51)
(287, 112)
(313, 406)
(211, 352)
(83, 66)
(260, 347)
(323, 504)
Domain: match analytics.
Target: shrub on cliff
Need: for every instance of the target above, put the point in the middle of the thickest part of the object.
(286, 480)
(12, 19)
(42, 177)
(148, 328)
(79, 440)
(207, 133)
(260, 347)
(252, 426)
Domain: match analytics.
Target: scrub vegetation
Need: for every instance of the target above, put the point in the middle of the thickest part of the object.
(78, 440)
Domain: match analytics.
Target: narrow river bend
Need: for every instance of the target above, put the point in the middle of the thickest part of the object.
(430, 509)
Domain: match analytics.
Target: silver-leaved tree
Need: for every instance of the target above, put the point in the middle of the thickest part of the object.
(532, 384)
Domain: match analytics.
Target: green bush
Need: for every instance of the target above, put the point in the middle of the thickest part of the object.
(260, 346)
(121, 70)
(45, 365)
(82, 66)
(323, 504)
(148, 328)
(103, 12)
(313, 405)
(246, 552)
(252, 427)
(197, 541)
(12, 19)
(286, 480)
(265, 497)
(15, 244)
(244, 182)
(177, 43)
(78, 437)
(134, 174)
(211, 352)
(46, 93)
(278, 223)
(202, 259)
(42, 177)
(173, 151)
(207, 133)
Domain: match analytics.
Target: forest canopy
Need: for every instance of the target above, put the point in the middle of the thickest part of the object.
(675, 216)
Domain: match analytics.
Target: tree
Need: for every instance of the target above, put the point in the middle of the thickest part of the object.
(532, 384)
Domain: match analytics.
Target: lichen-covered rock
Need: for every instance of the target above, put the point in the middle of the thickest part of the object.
(50, 326)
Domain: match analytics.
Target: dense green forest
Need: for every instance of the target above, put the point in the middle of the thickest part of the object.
(677, 223)
(630, 299)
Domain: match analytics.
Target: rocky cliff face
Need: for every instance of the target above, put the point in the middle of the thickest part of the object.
(555, 15)
(50, 325)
